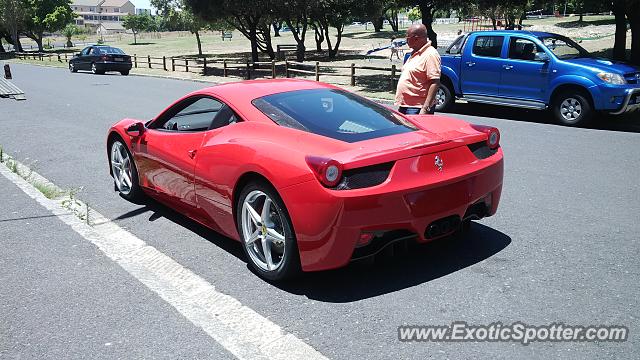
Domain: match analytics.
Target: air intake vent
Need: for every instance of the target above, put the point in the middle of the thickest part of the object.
(364, 177)
(481, 150)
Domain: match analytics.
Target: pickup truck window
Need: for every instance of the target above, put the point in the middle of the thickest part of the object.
(523, 49)
(490, 46)
(564, 48)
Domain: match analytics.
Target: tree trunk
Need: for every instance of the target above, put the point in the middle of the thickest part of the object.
(427, 20)
(38, 41)
(393, 19)
(254, 44)
(299, 34)
(378, 23)
(135, 37)
(333, 52)
(276, 29)
(199, 42)
(620, 44)
(2, 50)
(318, 36)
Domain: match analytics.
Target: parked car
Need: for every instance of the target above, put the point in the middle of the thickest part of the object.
(99, 59)
(306, 175)
(536, 70)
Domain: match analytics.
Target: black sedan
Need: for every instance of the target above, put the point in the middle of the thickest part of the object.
(100, 59)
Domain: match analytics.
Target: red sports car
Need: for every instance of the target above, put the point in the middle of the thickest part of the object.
(306, 175)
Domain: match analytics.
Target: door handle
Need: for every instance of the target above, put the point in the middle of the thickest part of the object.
(192, 153)
(507, 67)
(470, 63)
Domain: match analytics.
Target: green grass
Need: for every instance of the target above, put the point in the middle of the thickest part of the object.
(48, 190)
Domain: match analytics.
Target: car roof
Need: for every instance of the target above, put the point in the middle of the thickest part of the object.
(246, 91)
(517, 32)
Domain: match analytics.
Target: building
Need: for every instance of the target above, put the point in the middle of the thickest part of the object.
(102, 15)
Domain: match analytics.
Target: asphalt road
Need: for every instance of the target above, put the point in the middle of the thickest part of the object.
(563, 246)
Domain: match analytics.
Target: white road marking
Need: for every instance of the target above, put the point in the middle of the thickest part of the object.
(243, 332)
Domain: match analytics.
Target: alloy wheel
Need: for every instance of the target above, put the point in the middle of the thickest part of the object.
(441, 97)
(121, 167)
(571, 110)
(263, 231)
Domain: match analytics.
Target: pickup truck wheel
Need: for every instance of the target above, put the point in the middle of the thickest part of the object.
(444, 99)
(572, 109)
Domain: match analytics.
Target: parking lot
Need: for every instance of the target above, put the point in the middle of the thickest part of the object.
(562, 248)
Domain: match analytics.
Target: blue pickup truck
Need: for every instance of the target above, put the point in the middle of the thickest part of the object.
(536, 70)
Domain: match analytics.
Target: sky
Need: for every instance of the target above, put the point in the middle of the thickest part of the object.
(141, 4)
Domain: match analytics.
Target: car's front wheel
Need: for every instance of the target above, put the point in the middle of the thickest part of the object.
(572, 109)
(266, 233)
(72, 68)
(125, 72)
(124, 171)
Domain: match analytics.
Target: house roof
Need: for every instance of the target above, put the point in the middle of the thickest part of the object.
(114, 3)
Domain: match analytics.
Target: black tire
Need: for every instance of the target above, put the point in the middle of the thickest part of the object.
(134, 193)
(572, 108)
(444, 93)
(72, 68)
(124, 73)
(289, 265)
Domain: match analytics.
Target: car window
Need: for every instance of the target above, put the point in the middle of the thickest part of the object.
(95, 51)
(86, 50)
(564, 48)
(490, 46)
(112, 50)
(524, 49)
(194, 114)
(332, 113)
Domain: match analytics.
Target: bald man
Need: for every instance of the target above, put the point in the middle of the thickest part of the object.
(420, 78)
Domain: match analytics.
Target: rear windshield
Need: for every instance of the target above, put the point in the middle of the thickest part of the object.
(332, 113)
(110, 50)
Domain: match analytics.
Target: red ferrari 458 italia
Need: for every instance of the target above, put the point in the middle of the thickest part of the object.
(308, 176)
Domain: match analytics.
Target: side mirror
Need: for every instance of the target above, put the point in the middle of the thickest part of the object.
(541, 56)
(135, 130)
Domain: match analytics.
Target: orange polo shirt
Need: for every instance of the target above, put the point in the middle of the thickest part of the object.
(417, 75)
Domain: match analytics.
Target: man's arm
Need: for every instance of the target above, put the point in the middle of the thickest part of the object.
(431, 97)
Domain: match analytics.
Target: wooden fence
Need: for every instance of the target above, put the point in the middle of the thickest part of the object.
(247, 69)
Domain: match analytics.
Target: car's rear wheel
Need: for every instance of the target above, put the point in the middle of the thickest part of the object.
(572, 109)
(266, 233)
(72, 68)
(125, 73)
(94, 69)
(444, 98)
(124, 171)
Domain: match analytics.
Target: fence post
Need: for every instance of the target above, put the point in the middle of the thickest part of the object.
(273, 69)
(173, 64)
(49, 56)
(59, 60)
(224, 68)
(135, 60)
(204, 67)
(353, 74)
(164, 63)
(393, 78)
(248, 70)
(149, 61)
(186, 64)
(65, 57)
(286, 68)
(317, 71)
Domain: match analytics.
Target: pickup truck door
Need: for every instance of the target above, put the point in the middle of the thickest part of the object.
(482, 65)
(525, 72)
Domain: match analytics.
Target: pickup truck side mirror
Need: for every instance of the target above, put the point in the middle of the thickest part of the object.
(541, 56)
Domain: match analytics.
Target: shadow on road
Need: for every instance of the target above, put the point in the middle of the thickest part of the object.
(361, 280)
(422, 263)
(627, 123)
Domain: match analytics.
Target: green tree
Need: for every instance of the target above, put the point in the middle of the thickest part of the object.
(414, 14)
(137, 23)
(46, 16)
(69, 31)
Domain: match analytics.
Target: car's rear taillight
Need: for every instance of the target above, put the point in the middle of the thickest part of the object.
(328, 171)
(493, 135)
